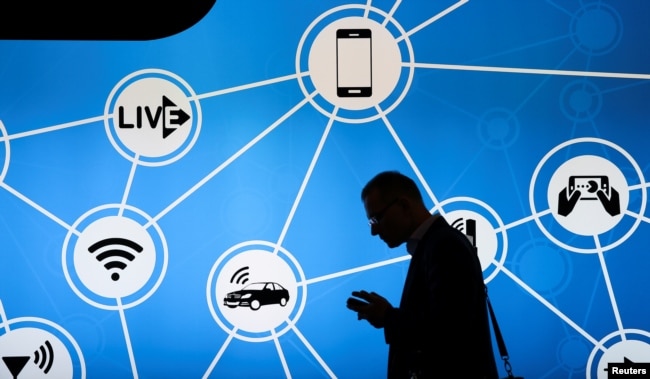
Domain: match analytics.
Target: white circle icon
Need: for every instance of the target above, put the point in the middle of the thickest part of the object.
(354, 63)
(587, 191)
(480, 233)
(484, 229)
(5, 161)
(114, 257)
(588, 195)
(623, 353)
(153, 117)
(256, 290)
(34, 353)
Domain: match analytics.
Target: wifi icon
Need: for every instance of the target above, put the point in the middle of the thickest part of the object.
(240, 276)
(115, 248)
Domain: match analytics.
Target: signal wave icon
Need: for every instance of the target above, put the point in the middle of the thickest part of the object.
(468, 227)
(44, 357)
(240, 276)
(115, 249)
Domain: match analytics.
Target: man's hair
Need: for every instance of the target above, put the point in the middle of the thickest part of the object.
(392, 184)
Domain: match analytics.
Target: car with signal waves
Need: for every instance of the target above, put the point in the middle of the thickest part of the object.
(257, 294)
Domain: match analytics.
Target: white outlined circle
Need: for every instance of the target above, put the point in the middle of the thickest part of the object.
(384, 62)
(256, 262)
(588, 176)
(258, 289)
(612, 350)
(5, 163)
(114, 257)
(152, 117)
(361, 117)
(53, 351)
(131, 293)
(491, 257)
(602, 143)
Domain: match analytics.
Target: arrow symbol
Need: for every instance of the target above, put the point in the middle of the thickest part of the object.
(179, 117)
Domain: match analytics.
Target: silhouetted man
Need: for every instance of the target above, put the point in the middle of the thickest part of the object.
(440, 329)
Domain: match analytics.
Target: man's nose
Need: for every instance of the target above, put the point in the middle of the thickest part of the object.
(374, 229)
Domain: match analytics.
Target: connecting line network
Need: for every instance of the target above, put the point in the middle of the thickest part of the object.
(333, 115)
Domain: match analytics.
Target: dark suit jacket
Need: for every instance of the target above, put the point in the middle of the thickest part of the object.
(441, 326)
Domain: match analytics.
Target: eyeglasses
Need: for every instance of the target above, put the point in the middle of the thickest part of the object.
(374, 220)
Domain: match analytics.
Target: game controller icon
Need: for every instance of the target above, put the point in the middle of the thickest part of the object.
(588, 188)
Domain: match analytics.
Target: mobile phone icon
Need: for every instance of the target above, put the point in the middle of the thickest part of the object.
(589, 185)
(354, 63)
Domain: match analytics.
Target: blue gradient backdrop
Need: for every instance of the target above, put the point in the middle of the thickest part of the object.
(469, 132)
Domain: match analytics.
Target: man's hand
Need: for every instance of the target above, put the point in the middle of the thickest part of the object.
(565, 204)
(369, 306)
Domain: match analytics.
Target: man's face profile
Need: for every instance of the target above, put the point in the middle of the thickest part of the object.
(385, 218)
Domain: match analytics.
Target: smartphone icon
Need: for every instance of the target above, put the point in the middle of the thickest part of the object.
(588, 186)
(354, 63)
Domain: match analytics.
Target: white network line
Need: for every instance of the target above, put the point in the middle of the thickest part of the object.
(391, 12)
(3, 318)
(523, 221)
(432, 19)
(249, 86)
(637, 215)
(366, 11)
(127, 338)
(398, 142)
(37, 207)
(407, 156)
(312, 164)
(230, 160)
(313, 352)
(610, 289)
(53, 128)
(548, 305)
(135, 162)
(355, 270)
(90, 120)
(534, 71)
(283, 360)
(129, 182)
(220, 353)
(638, 186)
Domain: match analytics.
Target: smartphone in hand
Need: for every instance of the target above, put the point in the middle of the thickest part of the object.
(355, 303)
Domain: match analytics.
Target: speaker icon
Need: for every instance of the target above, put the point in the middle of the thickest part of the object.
(15, 364)
(113, 248)
(43, 358)
(240, 276)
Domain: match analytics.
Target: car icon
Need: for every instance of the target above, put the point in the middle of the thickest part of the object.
(257, 294)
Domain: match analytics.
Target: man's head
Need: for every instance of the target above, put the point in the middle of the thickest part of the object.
(394, 207)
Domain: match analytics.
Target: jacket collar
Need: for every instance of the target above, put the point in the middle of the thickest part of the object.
(420, 231)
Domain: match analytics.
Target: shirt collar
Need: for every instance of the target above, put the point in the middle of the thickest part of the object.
(412, 242)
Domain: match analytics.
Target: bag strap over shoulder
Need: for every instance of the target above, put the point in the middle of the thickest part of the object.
(503, 351)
